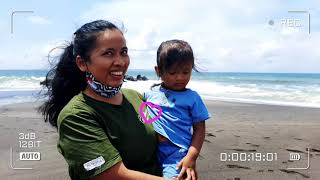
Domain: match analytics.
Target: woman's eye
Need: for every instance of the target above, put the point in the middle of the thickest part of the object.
(124, 52)
(108, 53)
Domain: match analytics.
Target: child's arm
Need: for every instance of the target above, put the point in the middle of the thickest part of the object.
(189, 161)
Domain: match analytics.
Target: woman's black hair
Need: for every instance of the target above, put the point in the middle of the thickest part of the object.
(65, 79)
(173, 53)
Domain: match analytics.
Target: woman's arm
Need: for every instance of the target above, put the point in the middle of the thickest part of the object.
(120, 172)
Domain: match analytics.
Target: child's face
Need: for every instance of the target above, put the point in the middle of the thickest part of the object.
(177, 77)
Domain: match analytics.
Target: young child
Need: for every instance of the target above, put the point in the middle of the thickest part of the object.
(182, 109)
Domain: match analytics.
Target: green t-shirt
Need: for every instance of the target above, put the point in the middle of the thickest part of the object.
(94, 136)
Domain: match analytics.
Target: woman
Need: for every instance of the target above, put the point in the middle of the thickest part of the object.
(100, 134)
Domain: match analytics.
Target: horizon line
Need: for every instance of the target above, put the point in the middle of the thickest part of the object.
(199, 72)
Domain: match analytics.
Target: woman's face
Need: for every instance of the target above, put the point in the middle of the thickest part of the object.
(109, 59)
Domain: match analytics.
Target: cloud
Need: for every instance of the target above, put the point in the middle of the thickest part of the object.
(228, 35)
(39, 20)
(31, 56)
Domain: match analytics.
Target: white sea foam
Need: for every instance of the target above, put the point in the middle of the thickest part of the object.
(253, 92)
(244, 93)
(20, 83)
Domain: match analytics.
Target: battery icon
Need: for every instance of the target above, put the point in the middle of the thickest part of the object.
(294, 156)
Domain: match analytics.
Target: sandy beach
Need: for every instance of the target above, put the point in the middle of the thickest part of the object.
(234, 128)
(250, 128)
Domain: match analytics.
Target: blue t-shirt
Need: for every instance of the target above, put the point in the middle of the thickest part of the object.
(180, 110)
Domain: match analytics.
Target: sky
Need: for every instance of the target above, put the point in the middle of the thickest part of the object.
(226, 36)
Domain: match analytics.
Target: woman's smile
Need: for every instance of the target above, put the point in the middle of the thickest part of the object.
(117, 75)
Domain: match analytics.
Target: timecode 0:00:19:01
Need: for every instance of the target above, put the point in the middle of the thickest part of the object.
(249, 156)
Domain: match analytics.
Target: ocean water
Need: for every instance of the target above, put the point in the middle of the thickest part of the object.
(262, 88)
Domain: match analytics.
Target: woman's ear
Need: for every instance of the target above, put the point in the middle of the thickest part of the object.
(81, 64)
(157, 71)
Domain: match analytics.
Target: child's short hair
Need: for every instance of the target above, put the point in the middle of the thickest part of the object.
(172, 53)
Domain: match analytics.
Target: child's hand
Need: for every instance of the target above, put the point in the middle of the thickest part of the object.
(188, 165)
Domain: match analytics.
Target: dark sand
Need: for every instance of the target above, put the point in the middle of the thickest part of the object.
(250, 128)
(233, 128)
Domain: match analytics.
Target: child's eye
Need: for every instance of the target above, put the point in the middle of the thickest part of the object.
(186, 72)
(172, 73)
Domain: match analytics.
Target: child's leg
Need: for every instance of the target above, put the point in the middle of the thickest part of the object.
(169, 156)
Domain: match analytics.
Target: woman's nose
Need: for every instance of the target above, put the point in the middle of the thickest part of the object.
(120, 60)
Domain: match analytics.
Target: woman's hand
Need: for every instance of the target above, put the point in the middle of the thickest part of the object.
(188, 166)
